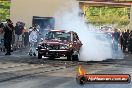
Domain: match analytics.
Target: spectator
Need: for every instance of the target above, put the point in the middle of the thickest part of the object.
(38, 30)
(18, 34)
(1, 37)
(123, 40)
(130, 43)
(126, 35)
(8, 29)
(116, 36)
(33, 41)
(26, 37)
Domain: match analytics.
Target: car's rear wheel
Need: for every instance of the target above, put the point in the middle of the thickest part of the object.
(75, 57)
(39, 56)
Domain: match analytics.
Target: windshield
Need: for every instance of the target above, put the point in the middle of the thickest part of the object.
(58, 36)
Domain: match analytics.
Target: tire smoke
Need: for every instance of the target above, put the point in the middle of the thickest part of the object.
(93, 49)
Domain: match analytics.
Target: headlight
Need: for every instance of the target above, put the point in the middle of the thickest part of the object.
(70, 45)
(64, 47)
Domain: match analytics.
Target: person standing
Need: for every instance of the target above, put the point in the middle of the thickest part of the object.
(33, 37)
(123, 40)
(8, 31)
(1, 37)
(125, 36)
(130, 43)
(18, 34)
(116, 37)
(26, 37)
(39, 29)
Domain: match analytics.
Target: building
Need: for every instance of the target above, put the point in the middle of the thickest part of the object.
(30, 11)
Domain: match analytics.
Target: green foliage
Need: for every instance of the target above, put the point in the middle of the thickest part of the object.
(4, 10)
(107, 15)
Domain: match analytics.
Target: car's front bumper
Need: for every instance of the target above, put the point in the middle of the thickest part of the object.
(56, 53)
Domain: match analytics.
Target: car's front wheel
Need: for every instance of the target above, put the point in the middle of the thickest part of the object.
(39, 56)
(75, 57)
(69, 57)
(52, 57)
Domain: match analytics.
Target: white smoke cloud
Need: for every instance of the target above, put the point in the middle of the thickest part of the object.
(93, 49)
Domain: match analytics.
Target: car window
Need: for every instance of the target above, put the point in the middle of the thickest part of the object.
(75, 37)
(58, 36)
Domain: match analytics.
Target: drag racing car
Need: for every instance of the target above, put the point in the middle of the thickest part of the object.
(60, 43)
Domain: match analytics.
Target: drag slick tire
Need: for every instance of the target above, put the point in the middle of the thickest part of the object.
(39, 56)
(73, 57)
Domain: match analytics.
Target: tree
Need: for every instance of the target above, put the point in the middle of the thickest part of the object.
(107, 15)
(4, 9)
